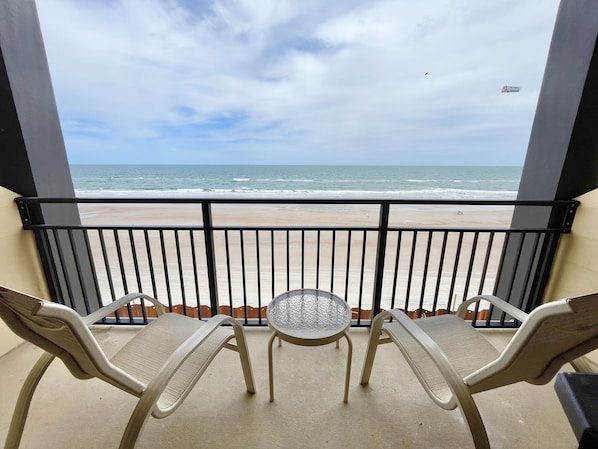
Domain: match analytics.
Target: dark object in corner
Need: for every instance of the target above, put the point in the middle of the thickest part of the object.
(578, 394)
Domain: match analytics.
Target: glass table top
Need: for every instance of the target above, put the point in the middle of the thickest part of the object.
(309, 314)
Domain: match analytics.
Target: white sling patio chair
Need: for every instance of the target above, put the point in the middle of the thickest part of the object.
(452, 360)
(159, 365)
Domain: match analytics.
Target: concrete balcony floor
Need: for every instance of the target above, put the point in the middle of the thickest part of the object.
(308, 411)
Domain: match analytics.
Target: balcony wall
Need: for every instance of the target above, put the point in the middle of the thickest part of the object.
(20, 267)
(575, 268)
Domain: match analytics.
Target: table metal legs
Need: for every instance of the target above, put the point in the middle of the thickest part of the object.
(270, 367)
(347, 374)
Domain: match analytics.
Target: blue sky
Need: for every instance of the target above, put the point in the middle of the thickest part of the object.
(398, 82)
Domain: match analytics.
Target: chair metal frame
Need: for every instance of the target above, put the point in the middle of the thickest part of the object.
(460, 381)
(36, 320)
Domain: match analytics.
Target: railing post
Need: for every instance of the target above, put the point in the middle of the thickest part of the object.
(380, 256)
(208, 232)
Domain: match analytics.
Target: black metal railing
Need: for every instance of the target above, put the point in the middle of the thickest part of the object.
(213, 256)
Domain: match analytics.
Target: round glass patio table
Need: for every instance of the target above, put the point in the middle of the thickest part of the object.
(309, 317)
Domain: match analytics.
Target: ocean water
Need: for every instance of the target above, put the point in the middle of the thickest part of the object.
(296, 181)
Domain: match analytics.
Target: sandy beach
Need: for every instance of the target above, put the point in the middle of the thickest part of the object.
(304, 215)
(256, 265)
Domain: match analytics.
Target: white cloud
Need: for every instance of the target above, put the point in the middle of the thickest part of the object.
(296, 81)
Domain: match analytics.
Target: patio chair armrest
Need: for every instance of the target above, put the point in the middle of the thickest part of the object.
(114, 306)
(509, 309)
(436, 354)
(157, 385)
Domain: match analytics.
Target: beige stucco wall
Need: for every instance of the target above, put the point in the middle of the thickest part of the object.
(20, 267)
(575, 271)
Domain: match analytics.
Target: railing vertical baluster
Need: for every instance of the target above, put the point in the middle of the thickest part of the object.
(119, 258)
(75, 255)
(272, 259)
(150, 261)
(501, 263)
(455, 269)
(228, 272)
(137, 273)
(425, 275)
(67, 297)
(530, 267)
(195, 275)
(361, 278)
(180, 269)
(92, 267)
(486, 262)
(395, 276)
(123, 273)
(288, 256)
(380, 256)
(43, 237)
(522, 236)
(348, 268)
(243, 276)
(303, 258)
(259, 277)
(411, 267)
(332, 261)
(135, 261)
(514, 270)
(108, 269)
(287, 234)
(166, 271)
(206, 210)
(483, 275)
(546, 257)
(439, 275)
(63, 269)
(318, 247)
(474, 246)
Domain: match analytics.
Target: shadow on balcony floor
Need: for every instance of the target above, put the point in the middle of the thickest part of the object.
(308, 411)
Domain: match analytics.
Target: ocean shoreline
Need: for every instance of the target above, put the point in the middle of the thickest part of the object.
(335, 182)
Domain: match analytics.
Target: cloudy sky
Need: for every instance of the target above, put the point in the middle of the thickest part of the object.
(398, 82)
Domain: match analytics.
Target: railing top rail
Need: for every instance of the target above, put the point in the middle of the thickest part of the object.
(164, 227)
(252, 200)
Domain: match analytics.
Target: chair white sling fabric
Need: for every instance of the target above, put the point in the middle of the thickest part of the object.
(453, 360)
(160, 364)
